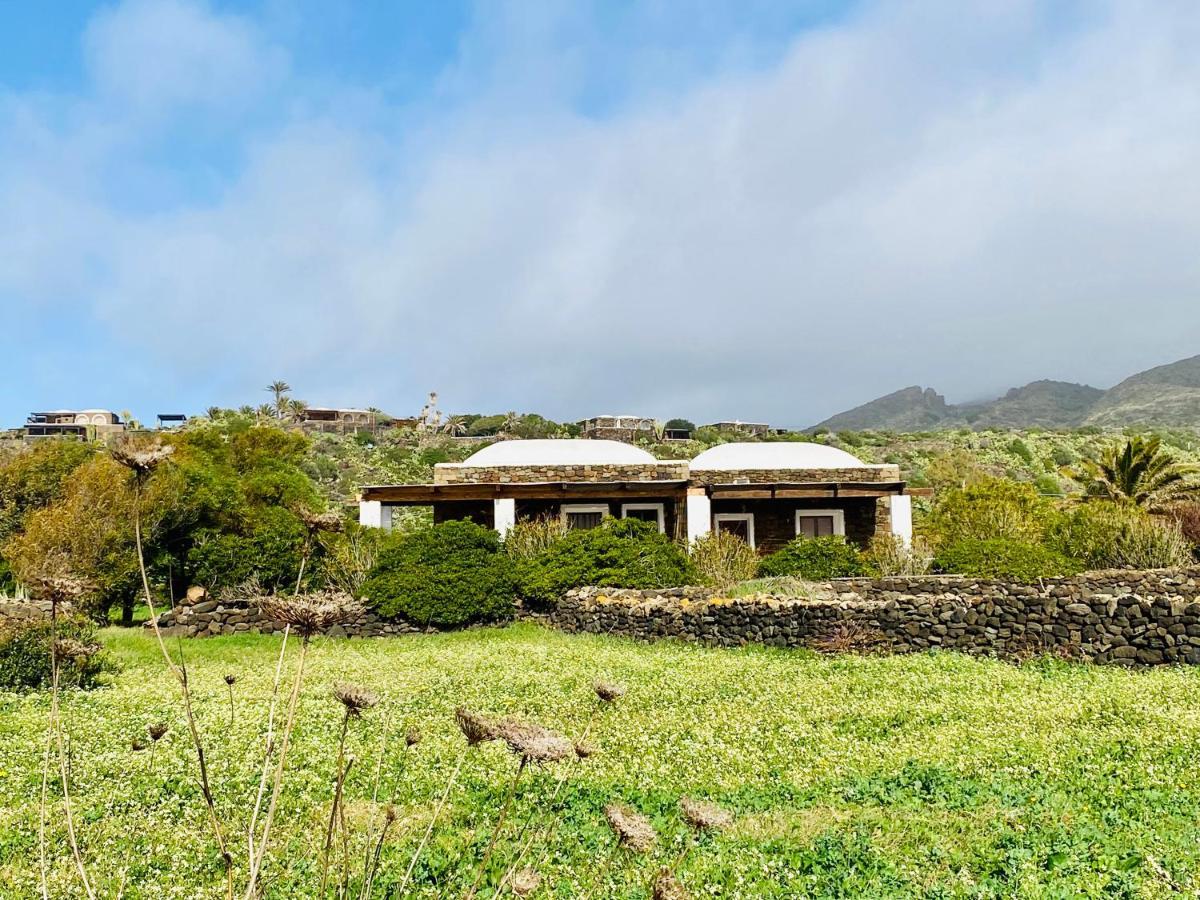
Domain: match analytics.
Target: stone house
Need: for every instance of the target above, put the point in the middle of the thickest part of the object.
(618, 428)
(337, 420)
(768, 493)
(81, 423)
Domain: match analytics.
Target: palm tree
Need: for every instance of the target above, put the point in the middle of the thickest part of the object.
(296, 409)
(279, 389)
(265, 411)
(1140, 472)
(455, 426)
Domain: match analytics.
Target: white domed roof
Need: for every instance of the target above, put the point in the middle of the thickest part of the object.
(774, 455)
(558, 452)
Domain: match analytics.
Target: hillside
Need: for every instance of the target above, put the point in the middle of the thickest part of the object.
(1041, 404)
(1166, 395)
(910, 409)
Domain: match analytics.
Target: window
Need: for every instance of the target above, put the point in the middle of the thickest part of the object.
(741, 524)
(580, 515)
(647, 512)
(811, 523)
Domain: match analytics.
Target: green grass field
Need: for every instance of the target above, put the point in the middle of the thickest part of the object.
(934, 775)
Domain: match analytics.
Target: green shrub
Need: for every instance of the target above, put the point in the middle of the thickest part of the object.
(889, 555)
(722, 559)
(1020, 449)
(1112, 535)
(990, 509)
(624, 553)
(1004, 559)
(25, 654)
(1048, 485)
(814, 559)
(448, 575)
(269, 553)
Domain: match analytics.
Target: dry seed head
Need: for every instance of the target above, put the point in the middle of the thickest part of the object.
(157, 730)
(312, 613)
(59, 587)
(533, 742)
(525, 882)
(705, 816)
(389, 814)
(476, 727)
(609, 692)
(69, 648)
(141, 459)
(320, 521)
(354, 698)
(583, 749)
(137, 745)
(231, 680)
(667, 886)
(632, 829)
(412, 737)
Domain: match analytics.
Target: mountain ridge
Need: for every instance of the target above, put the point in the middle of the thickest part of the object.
(1166, 395)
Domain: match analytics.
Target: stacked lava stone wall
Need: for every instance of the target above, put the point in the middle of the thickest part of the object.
(1122, 618)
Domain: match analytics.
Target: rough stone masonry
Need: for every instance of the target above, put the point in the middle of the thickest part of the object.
(1116, 617)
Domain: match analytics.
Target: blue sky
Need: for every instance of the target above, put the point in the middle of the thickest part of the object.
(756, 209)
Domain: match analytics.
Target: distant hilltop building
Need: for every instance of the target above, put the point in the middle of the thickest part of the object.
(618, 428)
(81, 423)
(754, 429)
(339, 420)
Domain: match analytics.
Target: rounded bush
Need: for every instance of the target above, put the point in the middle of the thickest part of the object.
(814, 559)
(448, 575)
(25, 654)
(622, 553)
(1000, 558)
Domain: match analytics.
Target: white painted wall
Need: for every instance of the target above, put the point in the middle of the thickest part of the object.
(374, 514)
(699, 516)
(902, 517)
(505, 512)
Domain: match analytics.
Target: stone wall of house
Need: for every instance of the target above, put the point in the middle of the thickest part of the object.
(207, 617)
(25, 610)
(1122, 618)
(454, 473)
(869, 474)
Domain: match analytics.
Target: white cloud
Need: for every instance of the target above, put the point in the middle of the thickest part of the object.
(920, 194)
(151, 55)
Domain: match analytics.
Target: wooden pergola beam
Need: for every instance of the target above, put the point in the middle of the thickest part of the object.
(425, 494)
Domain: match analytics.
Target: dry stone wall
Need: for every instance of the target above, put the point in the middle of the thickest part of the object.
(30, 610)
(870, 474)
(1119, 618)
(454, 473)
(207, 617)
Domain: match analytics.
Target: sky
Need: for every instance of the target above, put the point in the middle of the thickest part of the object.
(715, 209)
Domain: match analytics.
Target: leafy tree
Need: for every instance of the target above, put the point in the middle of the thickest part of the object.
(36, 477)
(90, 527)
(679, 425)
(1140, 472)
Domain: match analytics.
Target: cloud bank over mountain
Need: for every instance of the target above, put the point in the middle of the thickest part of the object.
(573, 214)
